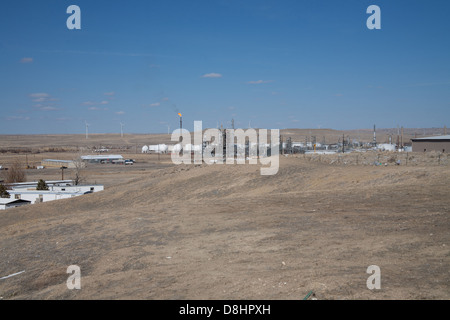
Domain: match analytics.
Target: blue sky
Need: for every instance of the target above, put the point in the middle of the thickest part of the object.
(273, 64)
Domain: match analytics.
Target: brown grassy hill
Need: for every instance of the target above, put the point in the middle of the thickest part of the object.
(226, 232)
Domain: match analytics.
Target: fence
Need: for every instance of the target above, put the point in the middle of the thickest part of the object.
(383, 158)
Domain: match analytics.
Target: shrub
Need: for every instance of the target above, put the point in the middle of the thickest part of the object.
(15, 173)
(41, 185)
(3, 192)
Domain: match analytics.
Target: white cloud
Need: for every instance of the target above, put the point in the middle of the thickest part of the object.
(97, 108)
(212, 75)
(26, 60)
(45, 107)
(120, 112)
(259, 81)
(48, 108)
(156, 104)
(92, 103)
(44, 100)
(12, 118)
(40, 97)
(109, 93)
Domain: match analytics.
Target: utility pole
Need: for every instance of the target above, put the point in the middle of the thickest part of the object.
(374, 136)
(401, 141)
(181, 124)
(62, 172)
(87, 132)
(281, 144)
(121, 129)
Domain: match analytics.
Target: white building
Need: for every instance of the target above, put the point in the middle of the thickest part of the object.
(54, 192)
(37, 196)
(110, 158)
(158, 148)
(79, 188)
(386, 147)
(33, 184)
(6, 203)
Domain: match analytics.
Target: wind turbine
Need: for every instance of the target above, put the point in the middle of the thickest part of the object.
(87, 126)
(121, 129)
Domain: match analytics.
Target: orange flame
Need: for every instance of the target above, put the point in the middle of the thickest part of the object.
(179, 114)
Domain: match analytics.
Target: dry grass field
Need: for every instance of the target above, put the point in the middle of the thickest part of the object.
(160, 231)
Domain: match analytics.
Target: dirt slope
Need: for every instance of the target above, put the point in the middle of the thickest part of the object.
(226, 232)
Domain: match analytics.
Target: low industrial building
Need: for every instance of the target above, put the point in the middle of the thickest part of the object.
(437, 143)
(7, 203)
(38, 196)
(88, 188)
(54, 192)
(61, 189)
(33, 184)
(111, 158)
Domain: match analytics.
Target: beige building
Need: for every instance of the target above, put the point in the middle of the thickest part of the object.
(437, 143)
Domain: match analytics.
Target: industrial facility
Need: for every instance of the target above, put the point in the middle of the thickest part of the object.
(27, 193)
(111, 158)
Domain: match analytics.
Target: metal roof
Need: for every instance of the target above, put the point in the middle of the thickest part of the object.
(43, 192)
(102, 157)
(446, 137)
(11, 200)
(32, 183)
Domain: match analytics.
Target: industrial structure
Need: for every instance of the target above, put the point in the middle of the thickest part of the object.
(7, 203)
(27, 193)
(437, 143)
(110, 158)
